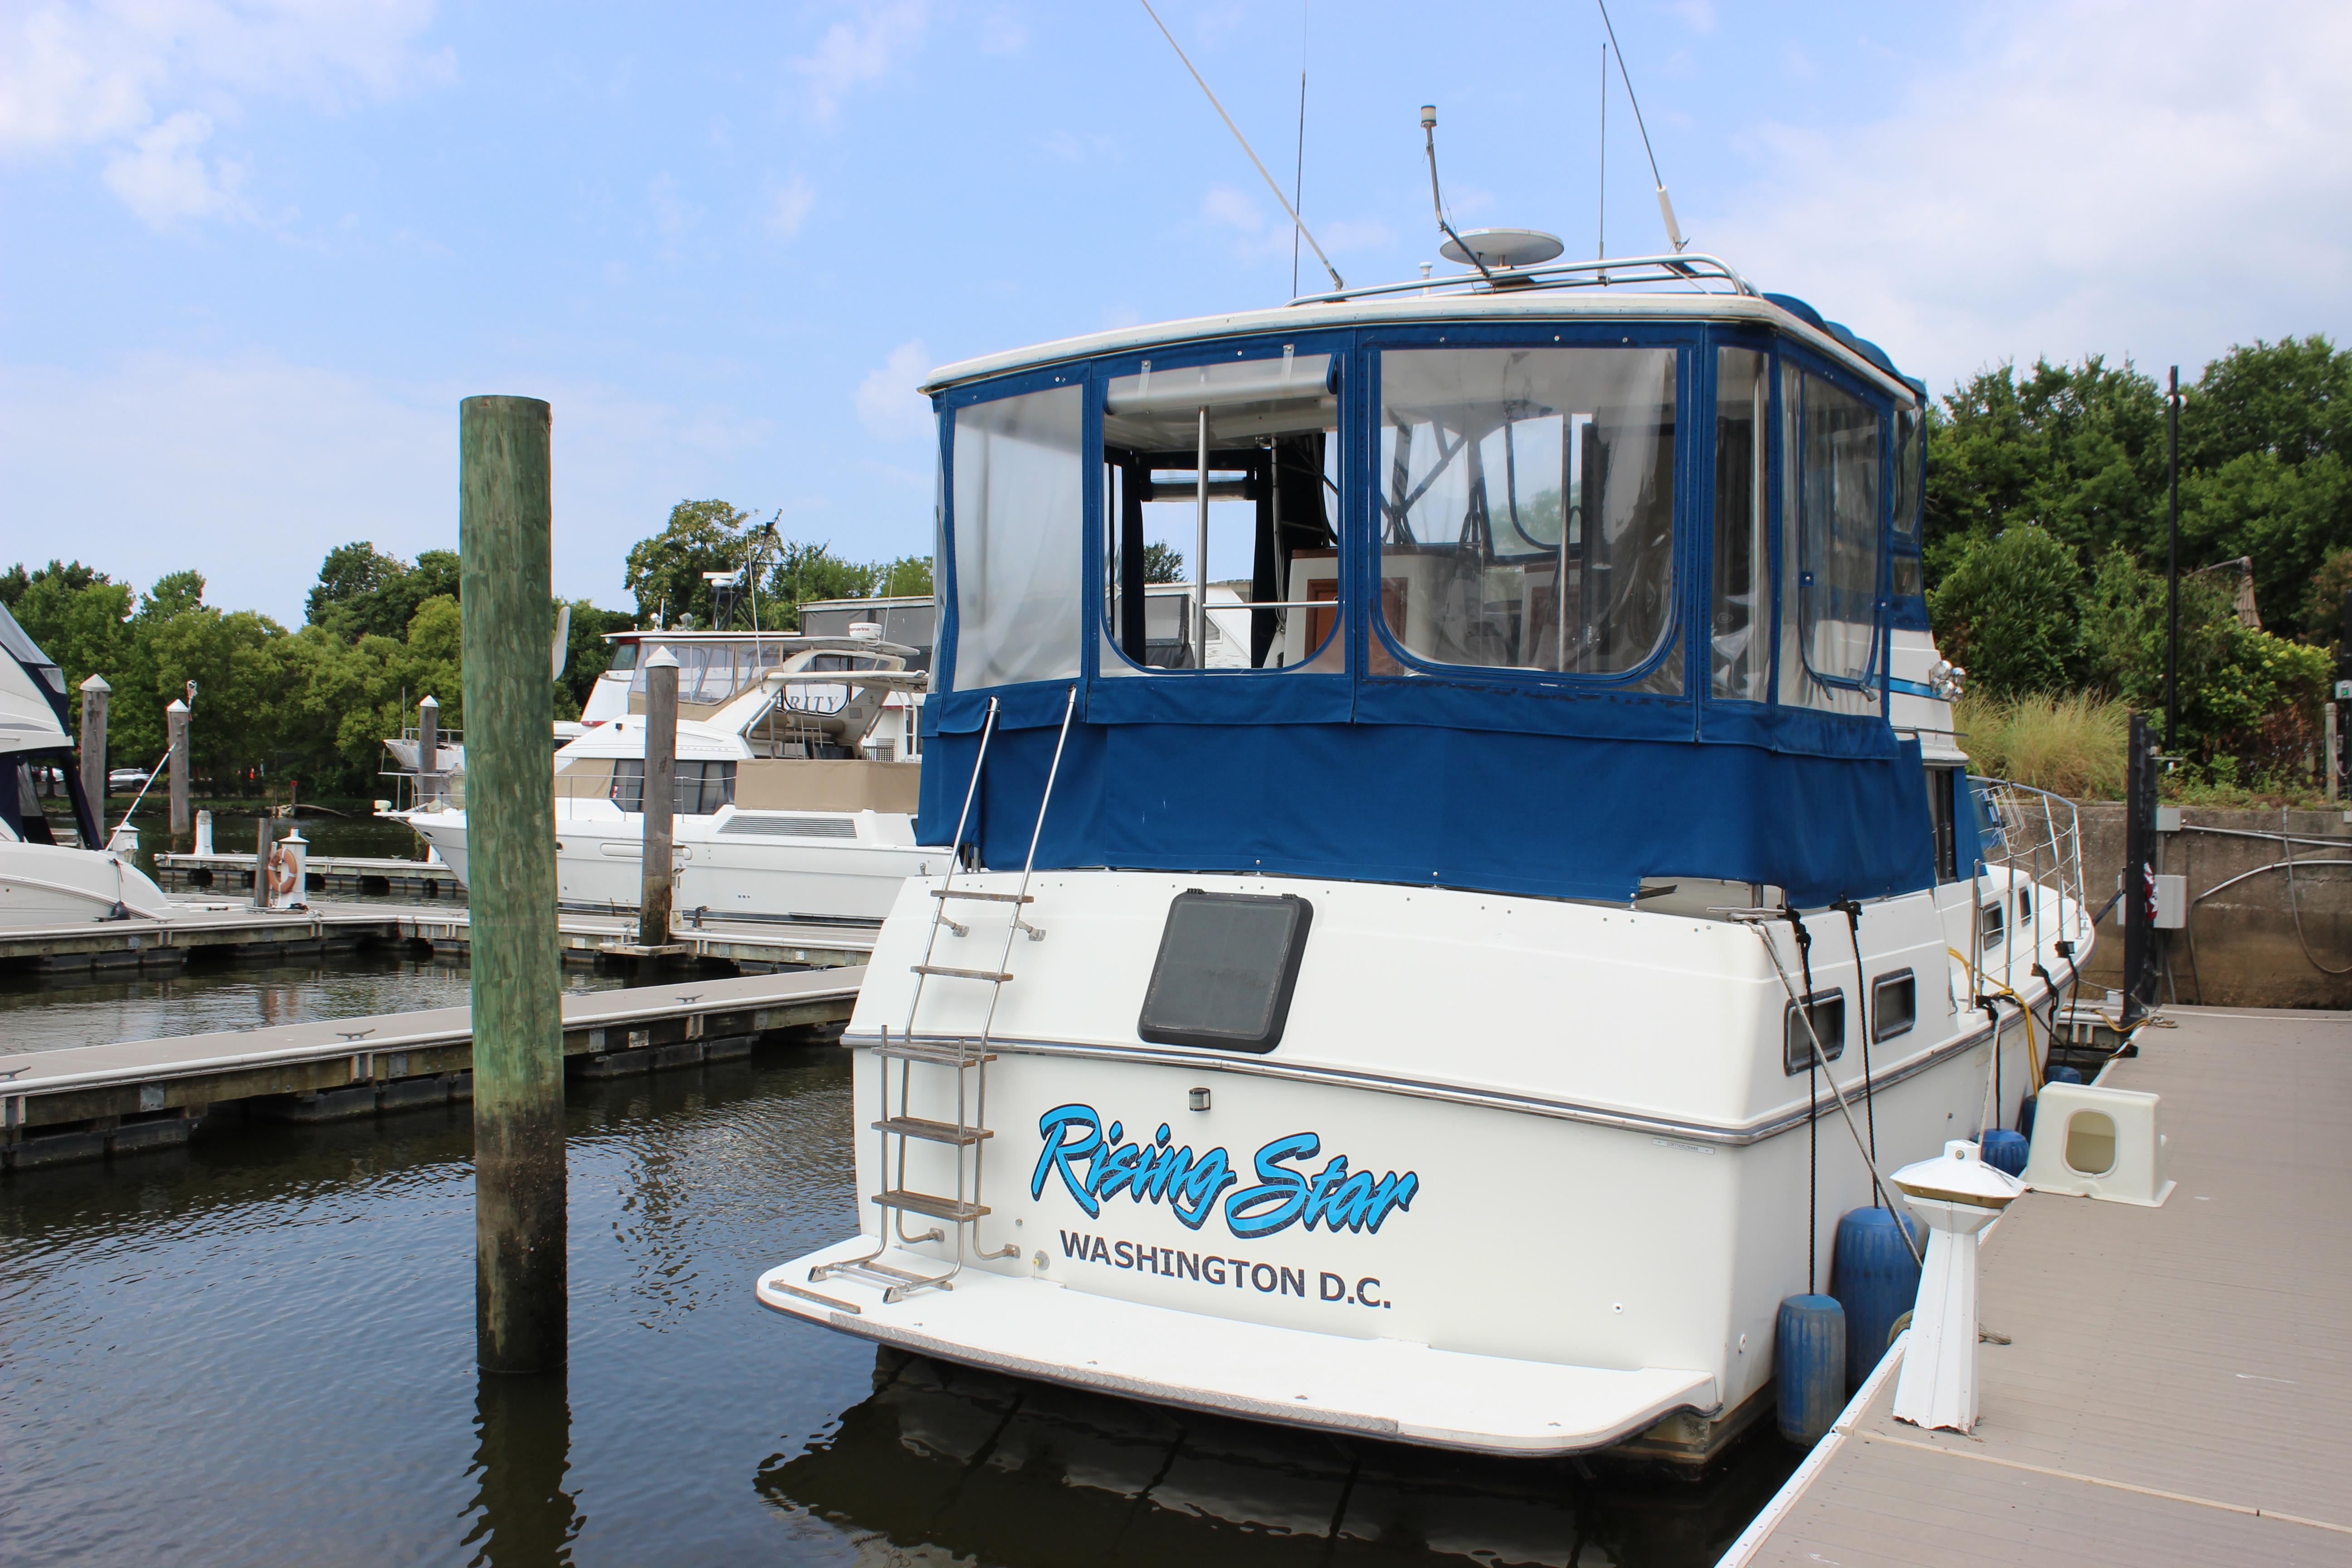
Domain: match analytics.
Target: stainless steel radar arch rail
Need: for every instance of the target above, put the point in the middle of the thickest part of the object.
(1707, 273)
(1760, 921)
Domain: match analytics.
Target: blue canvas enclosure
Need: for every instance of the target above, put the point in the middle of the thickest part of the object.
(1543, 605)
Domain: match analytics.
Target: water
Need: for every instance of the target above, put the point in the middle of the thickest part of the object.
(259, 1350)
(47, 1013)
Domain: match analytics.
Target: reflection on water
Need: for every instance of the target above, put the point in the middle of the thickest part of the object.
(521, 1512)
(259, 1350)
(995, 1469)
(41, 1012)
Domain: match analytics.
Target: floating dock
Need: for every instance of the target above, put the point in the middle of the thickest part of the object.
(367, 875)
(221, 933)
(2176, 1387)
(81, 1103)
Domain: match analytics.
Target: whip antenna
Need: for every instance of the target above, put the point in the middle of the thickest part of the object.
(1300, 223)
(1665, 203)
(1429, 142)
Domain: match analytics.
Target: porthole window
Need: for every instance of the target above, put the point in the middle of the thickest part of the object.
(1828, 1008)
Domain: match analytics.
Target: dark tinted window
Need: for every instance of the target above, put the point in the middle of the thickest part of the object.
(1828, 1008)
(1893, 1005)
(1227, 965)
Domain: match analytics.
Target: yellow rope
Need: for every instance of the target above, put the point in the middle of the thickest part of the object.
(1985, 986)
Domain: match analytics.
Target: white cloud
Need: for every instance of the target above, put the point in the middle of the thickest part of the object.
(1002, 32)
(852, 53)
(147, 78)
(786, 206)
(2157, 180)
(251, 468)
(1230, 208)
(1698, 15)
(163, 179)
(887, 399)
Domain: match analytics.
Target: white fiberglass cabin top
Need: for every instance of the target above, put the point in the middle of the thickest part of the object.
(1398, 1030)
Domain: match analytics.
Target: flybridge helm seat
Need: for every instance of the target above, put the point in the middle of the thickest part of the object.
(1554, 581)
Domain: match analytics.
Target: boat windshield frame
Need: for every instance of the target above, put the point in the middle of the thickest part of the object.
(1376, 675)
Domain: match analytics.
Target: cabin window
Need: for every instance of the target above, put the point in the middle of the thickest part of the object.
(1942, 811)
(1992, 925)
(1019, 582)
(1268, 569)
(1829, 591)
(1743, 555)
(711, 672)
(1526, 504)
(1827, 1010)
(702, 787)
(1908, 472)
(1893, 1005)
(624, 656)
(1910, 577)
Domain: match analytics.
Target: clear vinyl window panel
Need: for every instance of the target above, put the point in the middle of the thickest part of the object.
(1741, 652)
(703, 788)
(1017, 482)
(1526, 507)
(1831, 537)
(1220, 493)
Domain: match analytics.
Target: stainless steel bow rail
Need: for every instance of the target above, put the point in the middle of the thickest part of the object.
(966, 1059)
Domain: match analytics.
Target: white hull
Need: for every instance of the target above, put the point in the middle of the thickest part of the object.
(827, 875)
(1608, 1163)
(46, 885)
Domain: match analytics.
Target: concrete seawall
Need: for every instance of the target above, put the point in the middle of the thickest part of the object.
(2240, 949)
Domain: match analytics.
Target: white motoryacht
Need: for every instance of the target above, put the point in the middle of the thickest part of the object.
(43, 882)
(780, 814)
(1464, 1019)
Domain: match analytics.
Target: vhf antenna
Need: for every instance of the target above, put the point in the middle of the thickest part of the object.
(1337, 281)
(1429, 142)
(1665, 203)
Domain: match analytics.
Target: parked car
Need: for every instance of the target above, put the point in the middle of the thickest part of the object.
(126, 779)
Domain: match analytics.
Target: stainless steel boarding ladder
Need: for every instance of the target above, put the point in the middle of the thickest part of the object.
(967, 1059)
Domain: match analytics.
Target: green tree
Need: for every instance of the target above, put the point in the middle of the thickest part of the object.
(1162, 564)
(665, 572)
(908, 577)
(811, 571)
(2291, 399)
(363, 592)
(588, 654)
(84, 628)
(2078, 450)
(2005, 611)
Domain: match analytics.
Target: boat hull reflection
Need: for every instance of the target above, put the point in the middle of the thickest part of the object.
(998, 1469)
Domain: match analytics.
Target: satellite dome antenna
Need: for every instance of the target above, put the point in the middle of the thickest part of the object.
(1483, 248)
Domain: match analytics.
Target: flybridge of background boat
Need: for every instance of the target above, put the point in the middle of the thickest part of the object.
(1543, 589)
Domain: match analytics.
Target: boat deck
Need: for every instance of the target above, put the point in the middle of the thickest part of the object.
(2178, 1387)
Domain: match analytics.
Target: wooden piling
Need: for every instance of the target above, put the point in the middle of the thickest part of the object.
(504, 525)
(176, 722)
(94, 694)
(660, 886)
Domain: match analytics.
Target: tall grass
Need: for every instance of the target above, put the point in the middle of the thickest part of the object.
(2072, 745)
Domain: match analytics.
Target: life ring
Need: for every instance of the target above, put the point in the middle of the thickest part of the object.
(281, 871)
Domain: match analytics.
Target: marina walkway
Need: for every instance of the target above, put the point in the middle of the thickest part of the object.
(752, 946)
(85, 1102)
(2178, 1383)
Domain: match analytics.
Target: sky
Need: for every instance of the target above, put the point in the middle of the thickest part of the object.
(253, 252)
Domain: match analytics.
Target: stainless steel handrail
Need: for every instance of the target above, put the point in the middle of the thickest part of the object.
(1696, 267)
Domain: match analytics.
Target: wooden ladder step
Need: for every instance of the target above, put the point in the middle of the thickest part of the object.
(987, 974)
(932, 1131)
(928, 1204)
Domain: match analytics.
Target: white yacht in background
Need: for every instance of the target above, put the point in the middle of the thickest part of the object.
(1464, 1018)
(781, 814)
(43, 882)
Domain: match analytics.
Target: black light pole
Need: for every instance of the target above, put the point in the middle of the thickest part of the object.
(2172, 571)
